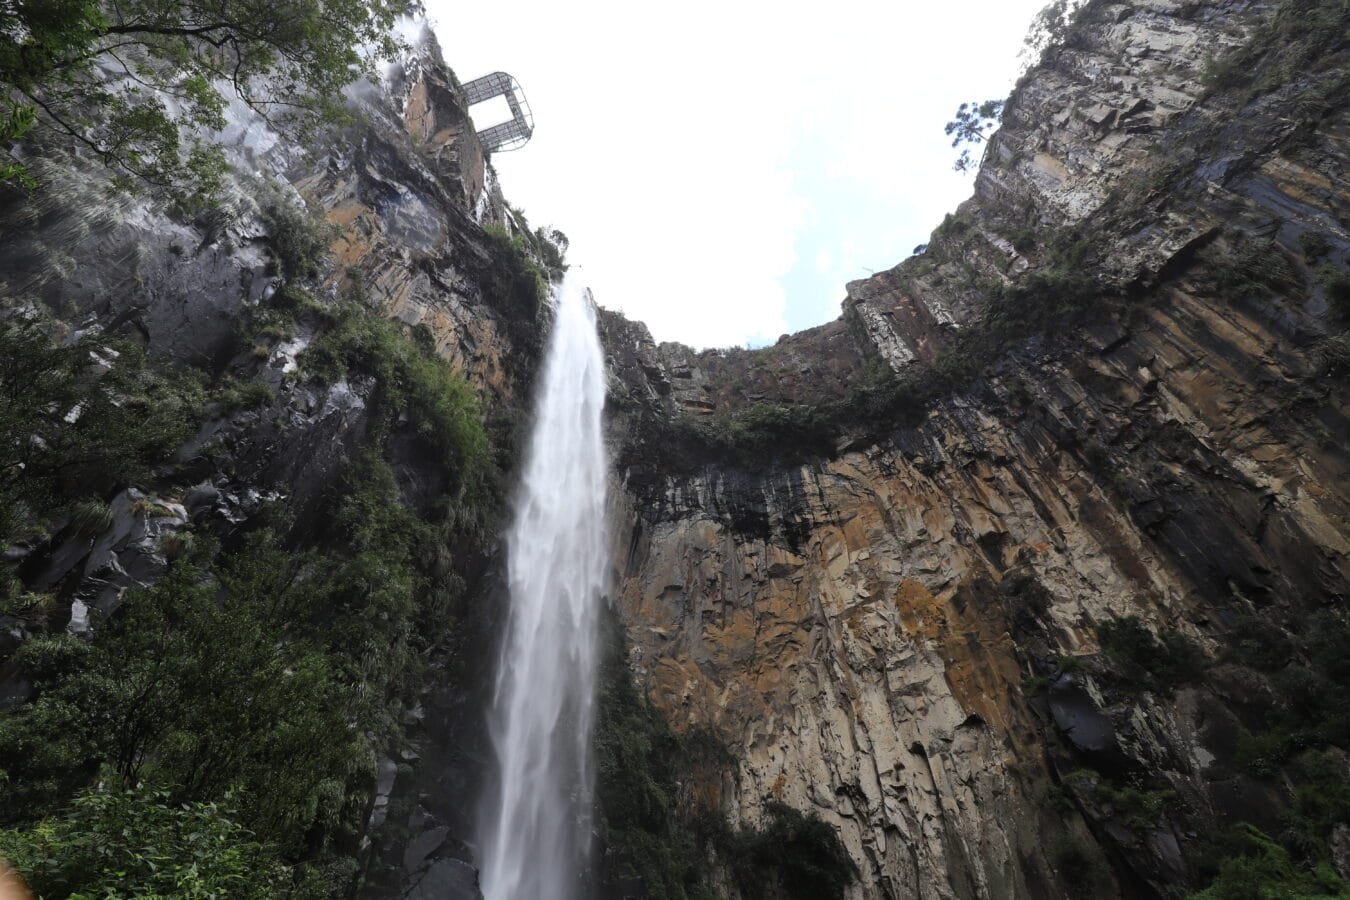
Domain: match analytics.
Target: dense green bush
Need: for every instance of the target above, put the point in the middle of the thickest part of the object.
(1079, 866)
(411, 379)
(297, 239)
(1139, 807)
(657, 828)
(271, 676)
(638, 759)
(79, 420)
(1336, 283)
(796, 854)
(518, 288)
(200, 692)
(1309, 673)
(141, 843)
(256, 683)
(1331, 357)
(1258, 268)
(1141, 660)
(1251, 866)
(1314, 245)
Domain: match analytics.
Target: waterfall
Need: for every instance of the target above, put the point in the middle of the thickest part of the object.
(535, 837)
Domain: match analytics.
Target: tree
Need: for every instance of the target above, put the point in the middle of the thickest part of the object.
(78, 420)
(973, 120)
(971, 126)
(142, 83)
(1048, 28)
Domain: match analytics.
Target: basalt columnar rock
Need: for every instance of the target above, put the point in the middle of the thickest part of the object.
(905, 635)
(1025, 575)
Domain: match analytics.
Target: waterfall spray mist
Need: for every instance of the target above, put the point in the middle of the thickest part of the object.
(535, 836)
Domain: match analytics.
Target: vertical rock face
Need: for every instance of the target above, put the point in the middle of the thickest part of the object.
(891, 615)
(862, 629)
(401, 196)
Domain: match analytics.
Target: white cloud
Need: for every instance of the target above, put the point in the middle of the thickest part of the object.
(694, 152)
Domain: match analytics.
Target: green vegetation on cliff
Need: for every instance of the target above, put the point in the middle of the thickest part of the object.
(1060, 293)
(81, 418)
(268, 678)
(255, 683)
(140, 84)
(174, 850)
(658, 796)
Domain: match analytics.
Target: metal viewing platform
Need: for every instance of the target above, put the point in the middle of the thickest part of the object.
(510, 135)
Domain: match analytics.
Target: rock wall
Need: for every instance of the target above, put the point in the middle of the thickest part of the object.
(401, 197)
(862, 630)
(900, 634)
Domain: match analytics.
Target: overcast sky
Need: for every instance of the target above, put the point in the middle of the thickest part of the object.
(723, 168)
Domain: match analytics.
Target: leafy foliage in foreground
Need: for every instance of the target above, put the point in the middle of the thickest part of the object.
(139, 83)
(263, 679)
(139, 843)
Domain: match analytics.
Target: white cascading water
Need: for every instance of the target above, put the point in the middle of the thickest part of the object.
(535, 838)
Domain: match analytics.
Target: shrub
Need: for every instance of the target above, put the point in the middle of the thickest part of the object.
(1251, 866)
(638, 759)
(410, 378)
(1147, 662)
(141, 843)
(91, 517)
(236, 395)
(1078, 865)
(82, 419)
(297, 239)
(1331, 357)
(793, 852)
(518, 288)
(270, 677)
(1288, 43)
(1139, 807)
(1253, 641)
(1314, 245)
(191, 693)
(1336, 283)
(1263, 753)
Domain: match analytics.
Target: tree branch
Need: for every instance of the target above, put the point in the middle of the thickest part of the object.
(170, 30)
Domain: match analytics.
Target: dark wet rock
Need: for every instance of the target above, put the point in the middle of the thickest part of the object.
(445, 879)
(422, 846)
(1078, 716)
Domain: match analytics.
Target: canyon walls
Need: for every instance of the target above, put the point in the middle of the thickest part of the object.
(1026, 576)
(902, 632)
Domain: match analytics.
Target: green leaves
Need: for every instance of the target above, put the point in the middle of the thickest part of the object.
(971, 125)
(1254, 867)
(412, 380)
(1146, 662)
(80, 419)
(137, 82)
(140, 843)
(801, 853)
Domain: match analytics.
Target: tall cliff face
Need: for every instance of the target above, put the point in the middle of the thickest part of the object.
(904, 632)
(1024, 575)
(307, 306)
